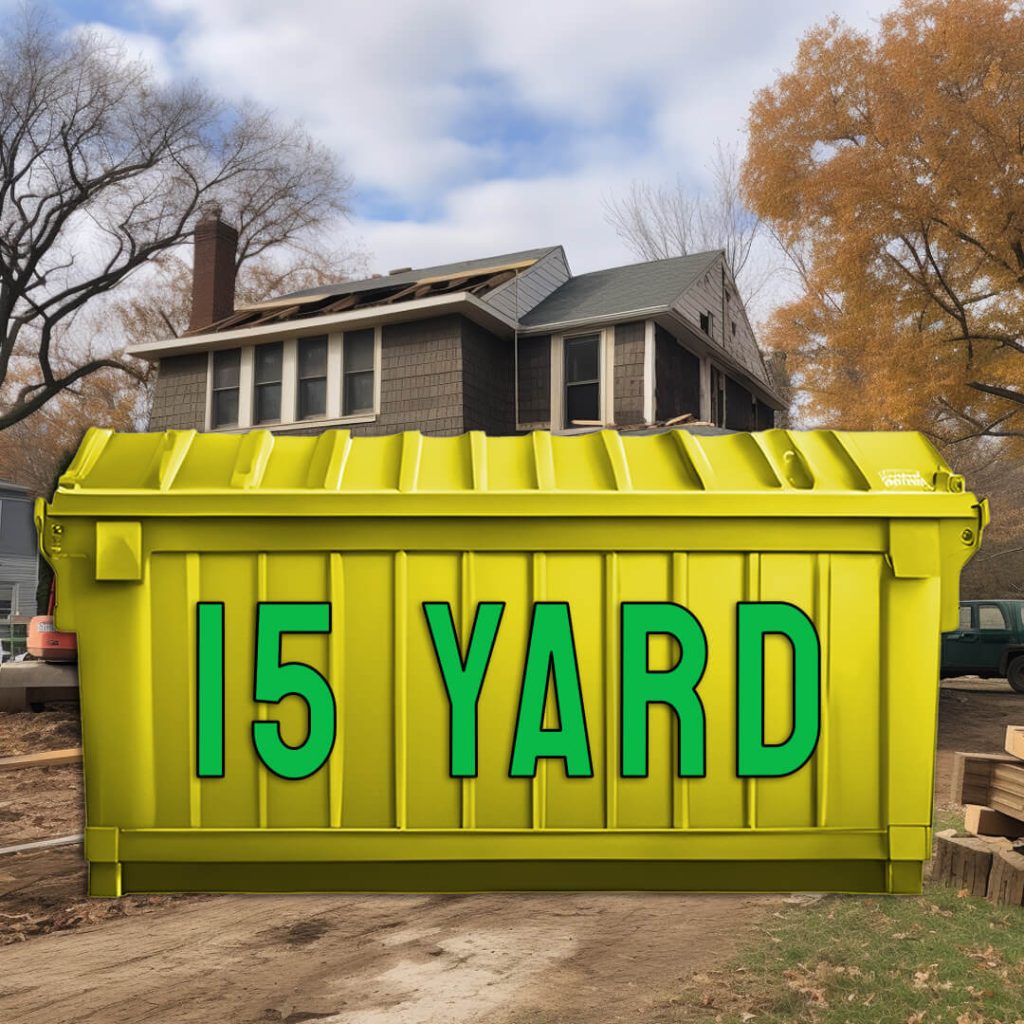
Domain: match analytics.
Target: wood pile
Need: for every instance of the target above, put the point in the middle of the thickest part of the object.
(989, 861)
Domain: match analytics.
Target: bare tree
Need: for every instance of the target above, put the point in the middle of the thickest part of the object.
(658, 222)
(102, 170)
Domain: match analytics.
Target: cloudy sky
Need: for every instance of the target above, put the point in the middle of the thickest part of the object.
(474, 127)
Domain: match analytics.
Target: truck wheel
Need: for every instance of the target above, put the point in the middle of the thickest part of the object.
(1015, 673)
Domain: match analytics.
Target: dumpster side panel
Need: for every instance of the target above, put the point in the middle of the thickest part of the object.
(145, 527)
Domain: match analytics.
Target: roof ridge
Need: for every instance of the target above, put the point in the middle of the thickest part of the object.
(647, 263)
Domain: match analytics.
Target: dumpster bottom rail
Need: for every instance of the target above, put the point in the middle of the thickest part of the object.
(412, 860)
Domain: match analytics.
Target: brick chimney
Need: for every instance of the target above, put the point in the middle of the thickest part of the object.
(213, 270)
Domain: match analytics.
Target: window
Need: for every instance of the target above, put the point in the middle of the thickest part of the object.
(733, 322)
(290, 382)
(990, 616)
(312, 377)
(582, 379)
(357, 373)
(965, 618)
(268, 362)
(226, 373)
(707, 323)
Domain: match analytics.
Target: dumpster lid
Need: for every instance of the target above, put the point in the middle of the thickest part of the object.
(819, 472)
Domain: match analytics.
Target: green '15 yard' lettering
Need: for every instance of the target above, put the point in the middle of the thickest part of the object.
(550, 663)
(273, 682)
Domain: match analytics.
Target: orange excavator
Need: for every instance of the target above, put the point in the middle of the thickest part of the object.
(45, 641)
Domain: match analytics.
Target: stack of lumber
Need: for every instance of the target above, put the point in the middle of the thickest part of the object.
(990, 860)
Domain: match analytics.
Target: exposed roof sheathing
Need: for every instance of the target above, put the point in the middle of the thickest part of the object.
(478, 277)
(442, 270)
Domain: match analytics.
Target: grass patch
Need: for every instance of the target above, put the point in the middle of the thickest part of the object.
(861, 960)
(948, 817)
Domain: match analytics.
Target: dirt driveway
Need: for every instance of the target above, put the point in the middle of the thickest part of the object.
(513, 959)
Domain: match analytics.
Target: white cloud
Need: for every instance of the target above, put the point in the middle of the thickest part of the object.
(475, 126)
(503, 216)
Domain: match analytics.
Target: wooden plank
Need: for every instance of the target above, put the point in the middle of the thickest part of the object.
(943, 855)
(971, 774)
(1015, 740)
(43, 844)
(1007, 785)
(1006, 880)
(1004, 805)
(965, 863)
(972, 862)
(986, 821)
(47, 758)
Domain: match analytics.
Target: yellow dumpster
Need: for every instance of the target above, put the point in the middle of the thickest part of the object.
(660, 661)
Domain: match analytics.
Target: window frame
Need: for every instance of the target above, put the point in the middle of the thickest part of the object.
(344, 373)
(606, 382)
(969, 625)
(213, 390)
(290, 385)
(979, 608)
(299, 379)
(279, 384)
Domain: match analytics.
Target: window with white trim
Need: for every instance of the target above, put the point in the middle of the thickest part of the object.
(582, 379)
(226, 383)
(357, 372)
(323, 378)
(268, 378)
(311, 371)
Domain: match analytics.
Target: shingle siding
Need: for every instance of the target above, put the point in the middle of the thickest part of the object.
(676, 377)
(535, 380)
(179, 395)
(420, 378)
(440, 376)
(488, 401)
(706, 295)
(628, 390)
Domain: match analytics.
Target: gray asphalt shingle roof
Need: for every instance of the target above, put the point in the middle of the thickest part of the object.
(418, 273)
(621, 290)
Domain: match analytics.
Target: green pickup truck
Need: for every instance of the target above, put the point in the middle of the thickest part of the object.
(989, 642)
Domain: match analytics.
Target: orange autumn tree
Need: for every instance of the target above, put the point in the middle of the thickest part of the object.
(891, 168)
